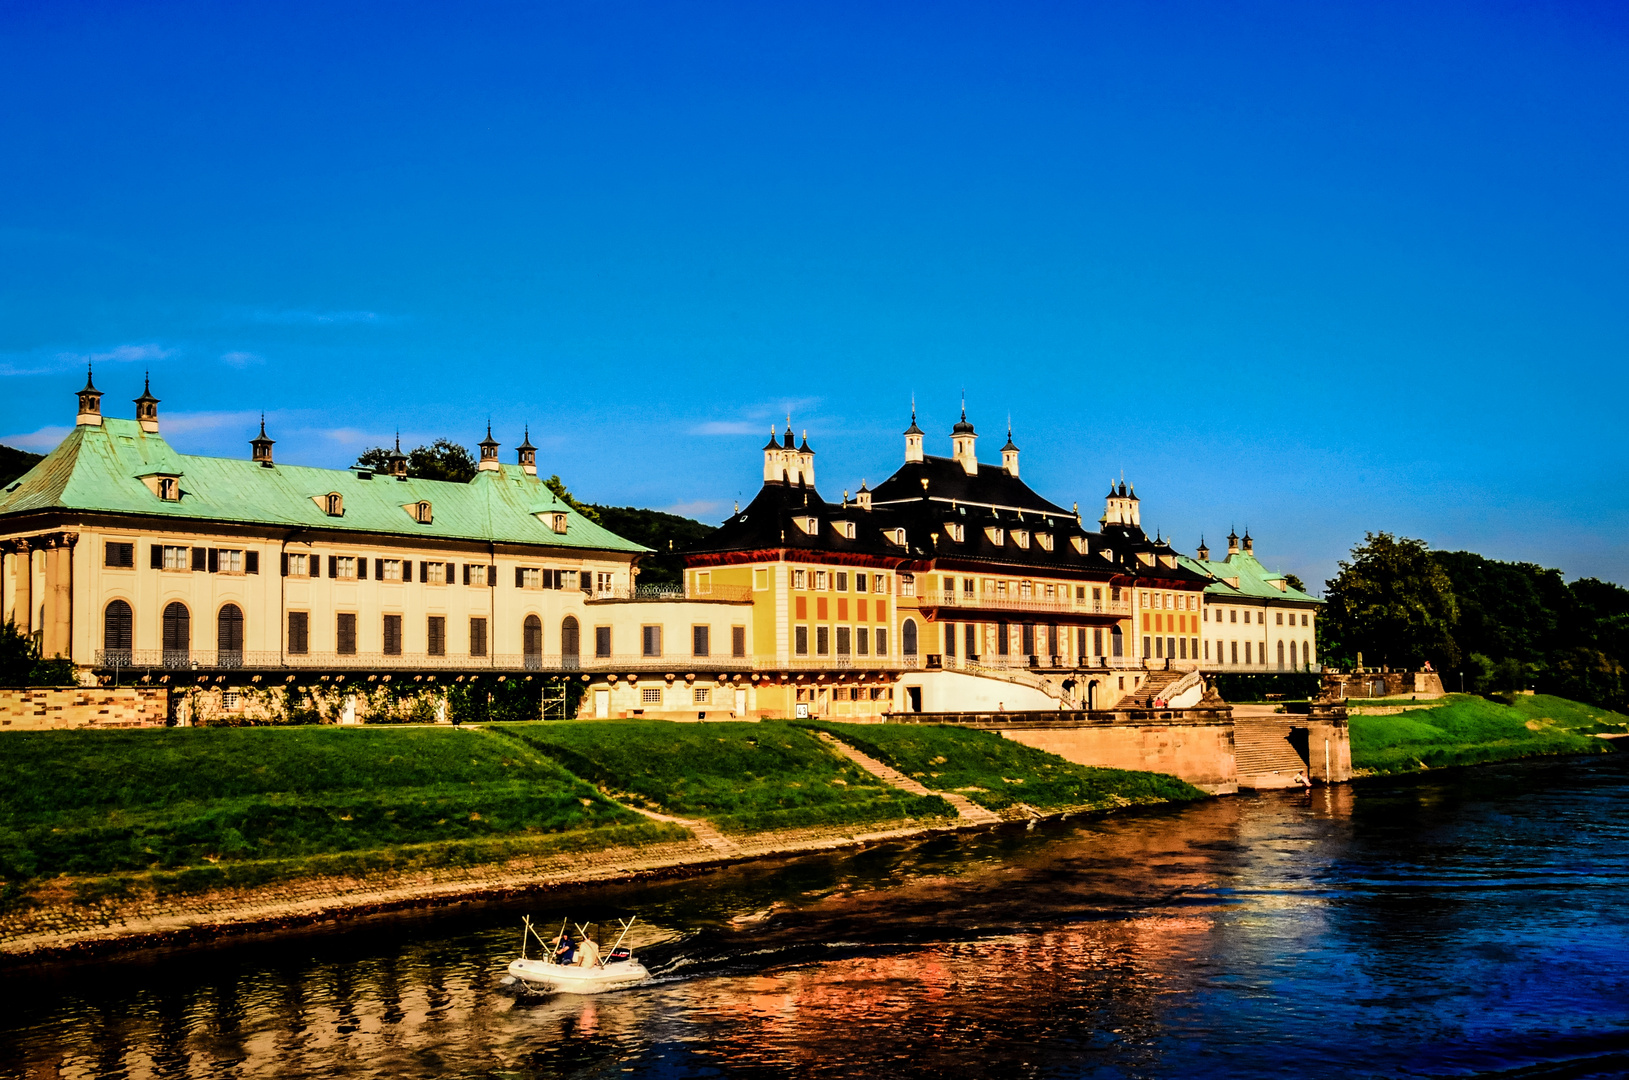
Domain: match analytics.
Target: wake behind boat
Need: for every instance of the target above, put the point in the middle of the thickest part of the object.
(568, 966)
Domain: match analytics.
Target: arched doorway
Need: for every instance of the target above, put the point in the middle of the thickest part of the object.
(907, 638)
(1091, 694)
(118, 633)
(229, 636)
(532, 642)
(569, 642)
(177, 635)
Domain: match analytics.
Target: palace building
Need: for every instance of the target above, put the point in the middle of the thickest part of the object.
(952, 586)
(135, 560)
(1254, 621)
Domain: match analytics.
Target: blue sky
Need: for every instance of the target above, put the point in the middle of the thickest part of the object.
(1311, 268)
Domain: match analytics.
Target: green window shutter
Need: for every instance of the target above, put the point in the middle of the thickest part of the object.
(214, 560)
(156, 554)
(492, 577)
(407, 569)
(362, 567)
(378, 569)
(200, 558)
(285, 564)
(452, 573)
(333, 566)
(466, 572)
(520, 576)
(251, 562)
(315, 564)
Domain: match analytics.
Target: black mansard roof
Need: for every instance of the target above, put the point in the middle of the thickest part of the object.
(986, 505)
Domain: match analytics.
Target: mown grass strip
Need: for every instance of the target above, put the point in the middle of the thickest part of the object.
(996, 772)
(741, 777)
(94, 803)
(1469, 730)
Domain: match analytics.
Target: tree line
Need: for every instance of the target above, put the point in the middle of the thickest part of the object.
(1485, 625)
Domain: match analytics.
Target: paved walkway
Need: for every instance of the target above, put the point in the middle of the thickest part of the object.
(966, 809)
(702, 831)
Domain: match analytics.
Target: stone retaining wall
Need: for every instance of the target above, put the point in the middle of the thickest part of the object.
(49, 708)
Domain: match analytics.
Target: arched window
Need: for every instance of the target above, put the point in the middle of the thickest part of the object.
(532, 642)
(118, 629)
(421, 513)
(177, 635)
(229, 636)
(907, 637)
(569, 645)
(334, 504)
(1281, 657)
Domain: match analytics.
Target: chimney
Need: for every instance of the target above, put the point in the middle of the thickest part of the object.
(260, 447)
(489, 452)
(1009, 455)
(90, 403)
(527, 453)
(147, 408)
(962, 440)
(913, 437)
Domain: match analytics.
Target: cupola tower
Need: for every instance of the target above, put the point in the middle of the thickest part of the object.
(90, 403)
(147, 408)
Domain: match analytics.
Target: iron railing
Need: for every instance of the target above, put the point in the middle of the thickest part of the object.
(728, 594)
(1024, 604)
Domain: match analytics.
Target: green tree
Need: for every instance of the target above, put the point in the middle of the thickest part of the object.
(1294, 581)
(21, 664)
(441, 460)
(1393, 603)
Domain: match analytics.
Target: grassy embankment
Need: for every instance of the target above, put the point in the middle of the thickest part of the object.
(202, 808)
(996, 772)
(1469, 730)
(740, 777)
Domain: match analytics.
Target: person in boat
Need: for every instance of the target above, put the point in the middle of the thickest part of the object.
(566, 951)
(589, 954)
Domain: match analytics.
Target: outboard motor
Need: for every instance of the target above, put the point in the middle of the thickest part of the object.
(621, 954)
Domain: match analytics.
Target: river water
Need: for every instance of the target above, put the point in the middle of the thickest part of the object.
(1472, 923)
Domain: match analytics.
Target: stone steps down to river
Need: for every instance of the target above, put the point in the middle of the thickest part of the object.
(1265, 754)
(966, 809)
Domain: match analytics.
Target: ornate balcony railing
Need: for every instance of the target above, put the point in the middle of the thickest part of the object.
(1024, 605)
(724, 594)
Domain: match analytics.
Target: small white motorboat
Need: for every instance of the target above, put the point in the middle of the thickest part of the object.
(610, 970)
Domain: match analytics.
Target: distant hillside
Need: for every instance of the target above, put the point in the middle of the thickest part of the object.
(15, 462)
(669, 534)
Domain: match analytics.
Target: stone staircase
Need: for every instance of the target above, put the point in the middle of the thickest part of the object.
(1265, 754)
(1154, 685)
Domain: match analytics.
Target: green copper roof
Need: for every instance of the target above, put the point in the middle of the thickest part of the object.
(100, 469)
(1254, 581)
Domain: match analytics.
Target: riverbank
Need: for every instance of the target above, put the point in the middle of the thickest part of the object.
(115, 839)
(1464, 729)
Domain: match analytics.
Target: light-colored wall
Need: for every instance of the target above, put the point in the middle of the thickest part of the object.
(266, 597)
(1201, 754)
(1263, 630)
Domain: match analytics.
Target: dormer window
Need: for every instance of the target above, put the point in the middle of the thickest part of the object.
(808, 524)
(1021, 538)
(332, 504)
(1146, 558)
(169, 489)
(1108, 553)
(956, 531)
(895, 536)
(421, 512)
(845, 529)
(1045, 540)
(558, 522)
(1079, 543)
(997, 536)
